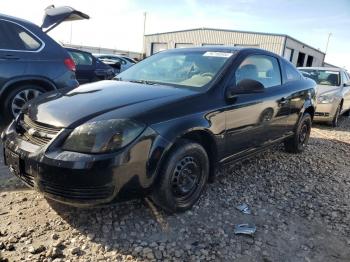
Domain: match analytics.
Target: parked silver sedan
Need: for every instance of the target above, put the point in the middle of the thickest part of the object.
(333, 94)
(125, 62)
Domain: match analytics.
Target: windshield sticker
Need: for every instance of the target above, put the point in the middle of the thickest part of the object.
(332, 72)
(217, 54)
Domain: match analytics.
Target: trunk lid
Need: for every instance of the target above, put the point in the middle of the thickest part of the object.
(56, 15)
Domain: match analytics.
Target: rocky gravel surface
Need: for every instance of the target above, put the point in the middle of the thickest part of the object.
(300, 205)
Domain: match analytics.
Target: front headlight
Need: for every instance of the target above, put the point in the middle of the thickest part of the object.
(326, 99)
(103, 136)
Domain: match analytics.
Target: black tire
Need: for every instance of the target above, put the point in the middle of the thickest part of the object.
(335, 121)
(8, 114)
(298, 142)
(182, 178)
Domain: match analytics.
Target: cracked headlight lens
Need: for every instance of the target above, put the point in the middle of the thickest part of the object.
(103, 136)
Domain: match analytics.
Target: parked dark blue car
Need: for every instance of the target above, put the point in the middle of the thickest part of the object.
(31, 62)
(89, 68)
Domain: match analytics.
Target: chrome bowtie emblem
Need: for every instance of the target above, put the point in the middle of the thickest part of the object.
(32, 132)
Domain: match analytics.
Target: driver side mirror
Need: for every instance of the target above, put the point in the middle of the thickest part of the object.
(347, 84)
(246, 86)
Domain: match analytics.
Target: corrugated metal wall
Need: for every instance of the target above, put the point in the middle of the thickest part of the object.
(199, 37)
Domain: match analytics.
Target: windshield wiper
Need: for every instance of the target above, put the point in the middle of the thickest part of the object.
(142, 82)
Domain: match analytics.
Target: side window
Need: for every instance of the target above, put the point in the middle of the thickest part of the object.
(291, 72)
(81, 58)
(346, 77)
(15, 37)
(262, 68)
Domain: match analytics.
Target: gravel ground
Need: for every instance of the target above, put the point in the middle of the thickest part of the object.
(300, 205)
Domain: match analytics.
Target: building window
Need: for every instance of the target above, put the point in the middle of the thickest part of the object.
(183, 45)
(248, 45)
(204, 44)
(301, 59)
(309, 61)
(157, 47)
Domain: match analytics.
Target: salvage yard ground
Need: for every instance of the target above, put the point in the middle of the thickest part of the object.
(300, 205)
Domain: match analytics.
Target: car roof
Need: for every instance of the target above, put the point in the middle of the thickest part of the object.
(17, 20)
(117, 55)
(323, 68)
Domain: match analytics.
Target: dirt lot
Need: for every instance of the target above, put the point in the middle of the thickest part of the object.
(300, 206)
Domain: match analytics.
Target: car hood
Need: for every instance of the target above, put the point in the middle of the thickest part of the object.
(326, 89)
(72, 108)
(56, 15)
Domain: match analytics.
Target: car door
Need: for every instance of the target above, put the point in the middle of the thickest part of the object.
(254, 120)
(85, 66)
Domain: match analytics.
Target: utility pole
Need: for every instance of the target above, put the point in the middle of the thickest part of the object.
(144, 32)
(329, 36)
(71, 33)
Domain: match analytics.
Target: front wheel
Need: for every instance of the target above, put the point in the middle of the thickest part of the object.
(335, 121)
(182, 178)
(298, 142)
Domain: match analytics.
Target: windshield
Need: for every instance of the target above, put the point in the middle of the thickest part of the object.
(323, 77)
(188, 69)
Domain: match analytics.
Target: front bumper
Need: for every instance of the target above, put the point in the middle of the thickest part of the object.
(325, 112)
(85, 179)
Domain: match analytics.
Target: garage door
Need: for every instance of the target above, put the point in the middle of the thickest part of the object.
(157, 47)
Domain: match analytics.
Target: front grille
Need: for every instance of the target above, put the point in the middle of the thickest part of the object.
(37, 133)
(321, 114)
(77, 193)
(28, 179)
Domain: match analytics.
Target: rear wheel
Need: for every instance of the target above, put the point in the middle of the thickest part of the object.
(17, 98)
(298, 142)
(182, 178)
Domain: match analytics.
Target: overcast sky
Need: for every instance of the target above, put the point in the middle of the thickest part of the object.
(119, 23)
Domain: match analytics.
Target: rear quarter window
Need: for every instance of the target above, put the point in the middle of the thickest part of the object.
(17, 38)
(292, 74)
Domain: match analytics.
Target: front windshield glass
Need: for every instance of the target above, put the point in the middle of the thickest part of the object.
(323, 77)
(188, 69)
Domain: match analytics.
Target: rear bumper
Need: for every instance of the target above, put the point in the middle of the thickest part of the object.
(82, 179)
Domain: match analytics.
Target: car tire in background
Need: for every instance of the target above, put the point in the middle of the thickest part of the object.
(335, 120)
(298, 142)
(16, 99)
(182, 177)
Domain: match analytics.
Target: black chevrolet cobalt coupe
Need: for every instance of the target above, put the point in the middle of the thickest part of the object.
(162, 128)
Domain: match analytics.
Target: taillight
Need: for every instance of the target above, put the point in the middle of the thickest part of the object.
(70, 64)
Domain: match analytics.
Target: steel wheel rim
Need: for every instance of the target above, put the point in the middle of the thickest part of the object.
(23, 97)
(336, 116)
(186, 178)
(304, 132)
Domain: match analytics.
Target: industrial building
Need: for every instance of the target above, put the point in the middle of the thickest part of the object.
(104, 50)
(299, 53)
